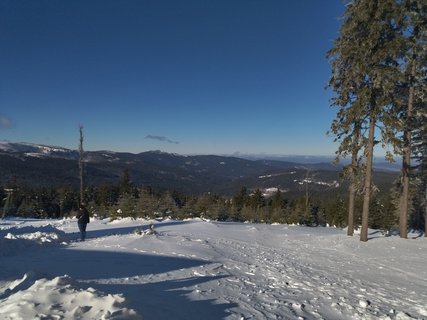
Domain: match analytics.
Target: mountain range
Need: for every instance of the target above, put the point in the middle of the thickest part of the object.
(41, 165)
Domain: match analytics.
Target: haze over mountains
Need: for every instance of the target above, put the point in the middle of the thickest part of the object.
(33, 164)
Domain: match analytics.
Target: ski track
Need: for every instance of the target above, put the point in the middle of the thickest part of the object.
(283, 282)
(291, 284)
(282, 274)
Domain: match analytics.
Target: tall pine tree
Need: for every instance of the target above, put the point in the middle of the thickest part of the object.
(401, 119)
(364, 70)
(418, 21)
(414, 61)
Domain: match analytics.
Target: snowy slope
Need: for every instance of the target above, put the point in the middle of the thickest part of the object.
(37, 150)
(206, 270)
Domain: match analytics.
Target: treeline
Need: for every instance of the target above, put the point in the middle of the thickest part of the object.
(379, 79)
(127, 200)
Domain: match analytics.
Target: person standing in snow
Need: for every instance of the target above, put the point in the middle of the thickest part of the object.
(82, 221)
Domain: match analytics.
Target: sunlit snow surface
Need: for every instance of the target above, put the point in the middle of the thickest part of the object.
(206, 270)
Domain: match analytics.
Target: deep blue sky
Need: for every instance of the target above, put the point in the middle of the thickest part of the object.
(191, 77)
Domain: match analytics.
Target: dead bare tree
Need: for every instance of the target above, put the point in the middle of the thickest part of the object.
(81, 164)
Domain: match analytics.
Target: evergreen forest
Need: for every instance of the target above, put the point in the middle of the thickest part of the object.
(379, 85)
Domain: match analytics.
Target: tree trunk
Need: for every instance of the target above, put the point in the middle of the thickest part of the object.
(368, 176)
(351, 198)
(307, 201)
(352, 188)
(425, 213)
(403, 216)
(7, 203)
(81, 164)
(307, 196)
(406, 162)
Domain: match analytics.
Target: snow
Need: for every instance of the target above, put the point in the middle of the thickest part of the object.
(196, 269)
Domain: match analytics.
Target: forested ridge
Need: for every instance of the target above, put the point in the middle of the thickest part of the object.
(311, 201)
(379, 84)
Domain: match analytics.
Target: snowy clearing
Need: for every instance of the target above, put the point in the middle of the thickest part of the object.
(206, 270)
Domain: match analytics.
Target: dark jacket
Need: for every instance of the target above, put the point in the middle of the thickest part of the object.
(82, 216)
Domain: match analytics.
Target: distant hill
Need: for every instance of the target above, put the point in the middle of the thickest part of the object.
(42, 165)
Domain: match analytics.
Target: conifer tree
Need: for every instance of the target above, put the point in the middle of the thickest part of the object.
(256, 202)
(354, 177)
(364, 71)
(406, 161)
(350, 143)
(419, 148)
(410, 25)
(414, 60)
(277, 207)
(241, 198)
(126, 186)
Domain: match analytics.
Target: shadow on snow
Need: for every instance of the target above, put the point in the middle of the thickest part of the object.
(165, 299)
(168, 299)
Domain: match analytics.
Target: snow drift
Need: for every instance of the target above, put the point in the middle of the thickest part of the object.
(206, 270)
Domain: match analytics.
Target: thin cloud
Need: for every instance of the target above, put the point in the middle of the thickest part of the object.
(5, 122)
(161, 138)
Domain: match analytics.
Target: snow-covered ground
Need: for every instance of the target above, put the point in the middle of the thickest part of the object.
(206, 270)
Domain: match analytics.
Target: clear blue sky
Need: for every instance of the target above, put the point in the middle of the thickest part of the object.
(187, 76)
